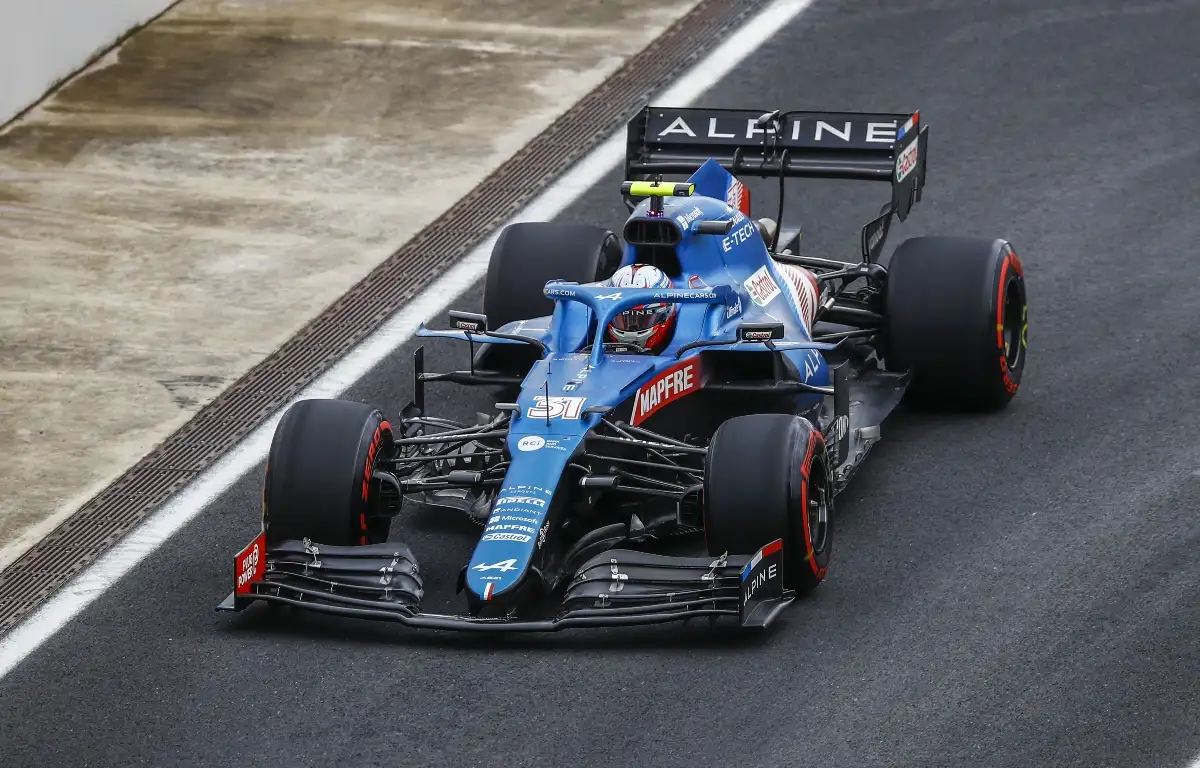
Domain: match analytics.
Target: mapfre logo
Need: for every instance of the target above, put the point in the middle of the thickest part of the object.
(670, 385)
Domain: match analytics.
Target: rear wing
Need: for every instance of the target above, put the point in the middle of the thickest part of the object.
(828, 145)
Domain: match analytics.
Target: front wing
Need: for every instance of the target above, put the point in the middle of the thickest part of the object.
(615, 588)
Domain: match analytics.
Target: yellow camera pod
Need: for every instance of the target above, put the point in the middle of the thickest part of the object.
(657, 189)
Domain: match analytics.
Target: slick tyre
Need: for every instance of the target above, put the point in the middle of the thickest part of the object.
(766, 478)
(527, 255)
(956, 313)
(319, 475)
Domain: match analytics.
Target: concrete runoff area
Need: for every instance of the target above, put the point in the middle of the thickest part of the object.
(181, 208)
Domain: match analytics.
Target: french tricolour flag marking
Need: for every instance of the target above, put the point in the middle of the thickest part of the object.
(770, 549)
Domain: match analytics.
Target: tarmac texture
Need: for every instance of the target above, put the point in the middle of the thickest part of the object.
(1010, 590)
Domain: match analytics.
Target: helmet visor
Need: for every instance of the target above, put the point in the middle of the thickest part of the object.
(642, 318)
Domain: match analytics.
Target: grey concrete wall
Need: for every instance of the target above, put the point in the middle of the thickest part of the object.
(43, 42)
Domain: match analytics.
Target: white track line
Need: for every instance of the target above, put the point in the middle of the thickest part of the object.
(192, 500)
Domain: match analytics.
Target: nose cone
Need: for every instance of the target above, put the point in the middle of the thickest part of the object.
(546, 433)
(517, 527)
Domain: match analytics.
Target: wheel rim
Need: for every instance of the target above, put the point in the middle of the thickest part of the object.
(1012, 326)
(818, 516)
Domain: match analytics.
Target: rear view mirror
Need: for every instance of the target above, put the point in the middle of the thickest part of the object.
(760, 331)
(714, 227)
(769, 118)
(471, 322)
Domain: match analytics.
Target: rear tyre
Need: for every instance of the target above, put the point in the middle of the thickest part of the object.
(319, 475)
(956, 315)
(766, 478)
(528, 255)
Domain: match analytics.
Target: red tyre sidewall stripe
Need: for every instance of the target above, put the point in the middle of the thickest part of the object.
(805, 470)
(1010, 260)
(368, 471)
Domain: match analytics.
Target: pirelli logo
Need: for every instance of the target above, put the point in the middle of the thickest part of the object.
(677, 381)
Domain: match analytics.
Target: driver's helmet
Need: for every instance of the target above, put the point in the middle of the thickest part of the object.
(647, 327)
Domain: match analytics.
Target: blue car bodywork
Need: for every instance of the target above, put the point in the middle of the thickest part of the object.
(750, 338)
(567, 392)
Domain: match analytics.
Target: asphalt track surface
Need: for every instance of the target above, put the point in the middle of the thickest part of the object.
(1018, 589)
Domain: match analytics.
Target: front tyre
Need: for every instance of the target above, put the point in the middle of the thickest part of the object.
(956, 315)
(319, 482)
(766, 477)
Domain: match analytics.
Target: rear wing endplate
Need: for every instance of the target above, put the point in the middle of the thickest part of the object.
(828, 145)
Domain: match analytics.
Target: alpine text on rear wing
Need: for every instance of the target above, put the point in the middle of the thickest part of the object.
(834, 145)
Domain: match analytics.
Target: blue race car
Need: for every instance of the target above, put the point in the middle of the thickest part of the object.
(680, 409)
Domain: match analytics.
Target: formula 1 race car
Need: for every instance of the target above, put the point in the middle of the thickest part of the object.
(733, 437)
